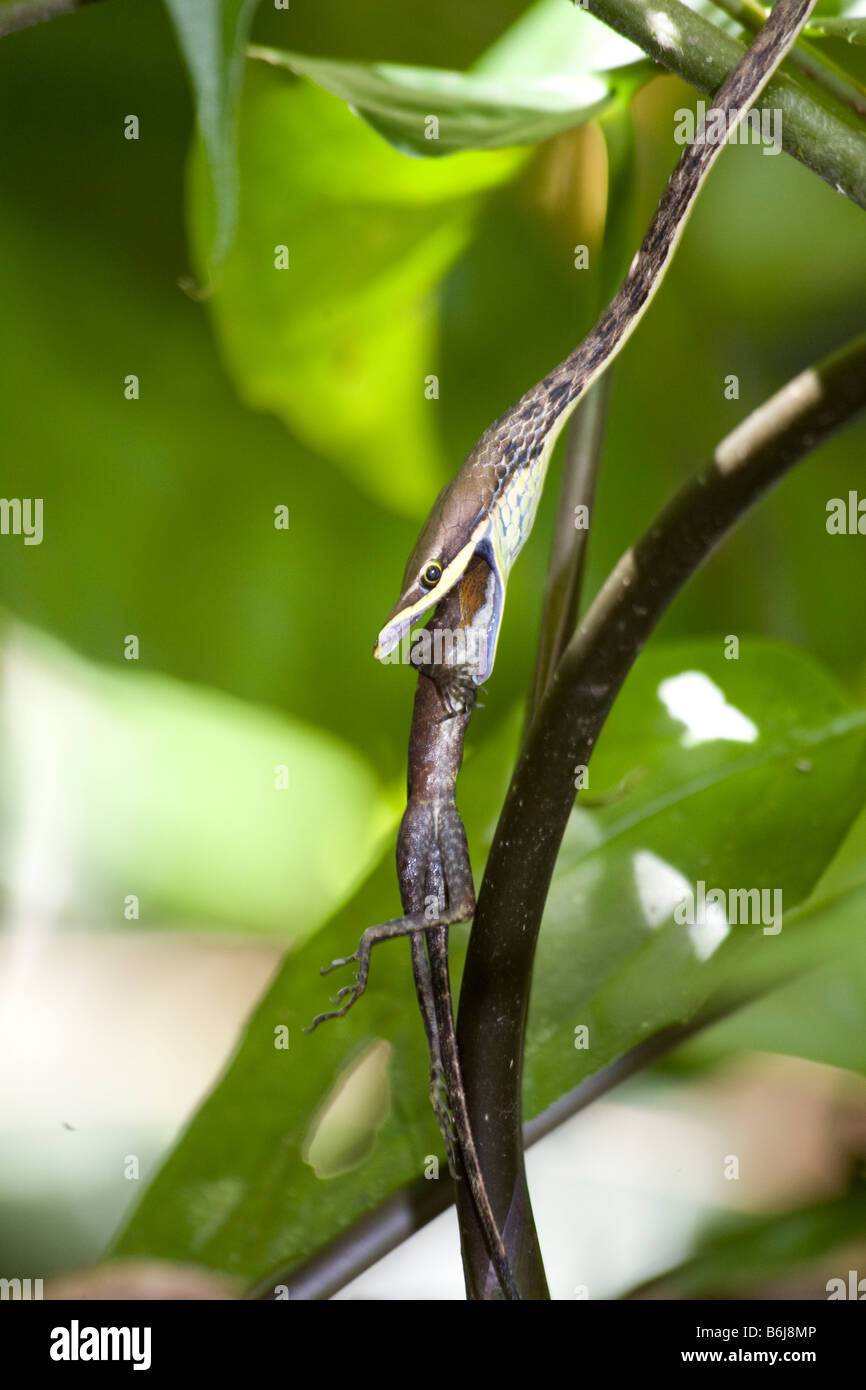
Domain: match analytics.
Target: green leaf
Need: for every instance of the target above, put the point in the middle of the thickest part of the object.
(341, 343)
(821, 1014)
(707, 751)
(212, 35)
(552, 40)
(433, 112)
(724, 775)
(554, 69)
(821, 1017)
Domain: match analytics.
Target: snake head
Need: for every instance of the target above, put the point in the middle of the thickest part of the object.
(451, 535)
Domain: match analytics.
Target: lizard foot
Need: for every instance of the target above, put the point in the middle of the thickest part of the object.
(385, 931)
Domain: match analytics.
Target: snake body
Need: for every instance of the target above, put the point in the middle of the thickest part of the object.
(489, 507)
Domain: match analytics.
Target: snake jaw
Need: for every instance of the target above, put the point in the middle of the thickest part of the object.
(415, 601)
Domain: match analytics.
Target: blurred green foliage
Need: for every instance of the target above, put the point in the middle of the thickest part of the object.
(272, 796)
(305, 388)
(786, 1255)
(339, 342)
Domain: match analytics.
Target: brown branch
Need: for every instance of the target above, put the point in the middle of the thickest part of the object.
(496, 982)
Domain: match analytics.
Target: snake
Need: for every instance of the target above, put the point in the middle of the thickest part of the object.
(459, 566)
(489, 507)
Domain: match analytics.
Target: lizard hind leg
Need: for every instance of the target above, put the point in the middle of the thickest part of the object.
(384, 931)
(454, 850)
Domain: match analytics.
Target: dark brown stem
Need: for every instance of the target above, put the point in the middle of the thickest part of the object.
(495, 993)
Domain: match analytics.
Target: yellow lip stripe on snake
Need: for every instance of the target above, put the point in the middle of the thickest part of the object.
(490, 506)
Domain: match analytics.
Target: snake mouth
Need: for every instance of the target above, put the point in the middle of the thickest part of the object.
(388, 639)
(405, 613)
(416, 601)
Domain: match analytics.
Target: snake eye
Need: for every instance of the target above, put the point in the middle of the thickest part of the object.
(431, 575)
